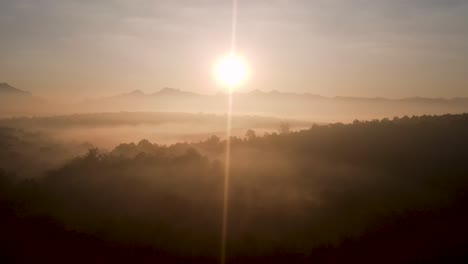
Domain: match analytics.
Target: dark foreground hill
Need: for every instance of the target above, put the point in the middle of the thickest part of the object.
(388, 191)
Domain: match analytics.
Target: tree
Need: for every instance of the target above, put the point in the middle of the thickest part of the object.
(250, 134)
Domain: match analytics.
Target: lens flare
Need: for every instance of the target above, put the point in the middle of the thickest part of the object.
(232, 71)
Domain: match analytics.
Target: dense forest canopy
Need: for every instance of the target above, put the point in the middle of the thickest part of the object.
(327, 193)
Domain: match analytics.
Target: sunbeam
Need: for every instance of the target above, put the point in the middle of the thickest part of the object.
(231, 80)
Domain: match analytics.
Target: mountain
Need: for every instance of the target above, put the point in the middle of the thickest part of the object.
(275, 103)
(305, 106)
(17, 102)
(8, 90)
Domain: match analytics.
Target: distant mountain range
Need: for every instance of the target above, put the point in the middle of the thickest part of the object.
(273, 103)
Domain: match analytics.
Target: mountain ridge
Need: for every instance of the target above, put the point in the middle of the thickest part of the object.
(6, 88)
(305, 106)
(175, 91)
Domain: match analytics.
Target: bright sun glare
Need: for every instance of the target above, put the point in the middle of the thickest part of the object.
(232, 71)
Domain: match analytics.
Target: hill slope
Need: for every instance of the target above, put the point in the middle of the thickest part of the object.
(389, 191)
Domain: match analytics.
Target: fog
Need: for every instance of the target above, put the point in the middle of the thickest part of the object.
(310, 194)
(233, 132)
(309, 107)
(107, 130)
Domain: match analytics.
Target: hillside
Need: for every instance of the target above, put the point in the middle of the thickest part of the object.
(6, 89)
(359, 192)
(14, 102)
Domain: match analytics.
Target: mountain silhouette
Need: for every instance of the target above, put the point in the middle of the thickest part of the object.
(305, 106)
(14, 102)
(6, 89)
(276, 103)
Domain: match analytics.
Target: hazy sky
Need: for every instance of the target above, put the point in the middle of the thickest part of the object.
(86, 48)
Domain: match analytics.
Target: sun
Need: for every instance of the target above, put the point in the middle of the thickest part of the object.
(232, 71)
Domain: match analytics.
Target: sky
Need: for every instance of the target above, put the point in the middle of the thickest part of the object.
(368, 48)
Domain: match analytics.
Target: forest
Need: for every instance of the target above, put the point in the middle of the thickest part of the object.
(379, 191)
